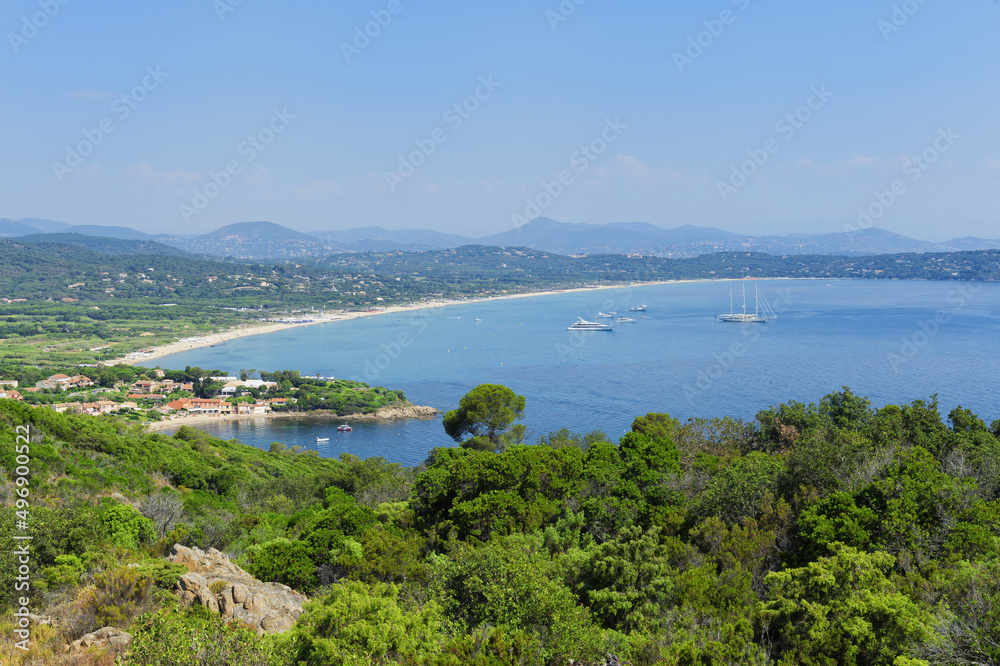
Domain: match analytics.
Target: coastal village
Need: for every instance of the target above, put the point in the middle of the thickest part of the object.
(167, 398)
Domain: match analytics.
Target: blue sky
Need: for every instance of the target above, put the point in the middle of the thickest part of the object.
(251, 110)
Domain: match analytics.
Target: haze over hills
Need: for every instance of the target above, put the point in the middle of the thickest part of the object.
(107, 244)
(12, 228)
(123, 233)
(44, 226)
(368, 239)
(252, 240)
(615, 238)
(266, 240)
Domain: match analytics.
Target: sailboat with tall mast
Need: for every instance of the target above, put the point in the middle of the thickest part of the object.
(761, 312)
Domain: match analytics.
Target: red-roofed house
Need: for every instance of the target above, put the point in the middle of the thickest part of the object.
(207, 406)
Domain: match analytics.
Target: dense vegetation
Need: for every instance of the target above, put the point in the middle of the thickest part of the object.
(55, 271)
(342, 396)
(66, 304)
(829, 533)
(478, 267)
(59, 334)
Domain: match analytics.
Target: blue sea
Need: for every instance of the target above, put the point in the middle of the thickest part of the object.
(893, 341)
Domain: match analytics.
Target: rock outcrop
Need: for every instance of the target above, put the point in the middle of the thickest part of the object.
(214, 582)
(107, 637)
(395, 412)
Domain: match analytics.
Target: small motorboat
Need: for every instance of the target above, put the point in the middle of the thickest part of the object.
(625, 320)
(344, 428)
(322, 439)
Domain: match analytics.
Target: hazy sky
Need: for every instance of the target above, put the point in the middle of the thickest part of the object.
(463, 117)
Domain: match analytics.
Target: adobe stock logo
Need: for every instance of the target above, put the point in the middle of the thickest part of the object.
(928, 329)
(787, 126)
(714, 28)
(249, 149)
(455, 116)
(900, 16)
(363, 35)
(31, 25)
(579, 161)
(122, 108)
(915, 166)
(566, 9)
(388, 352)
(223, 7)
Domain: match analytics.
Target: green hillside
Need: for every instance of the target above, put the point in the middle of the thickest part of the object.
(828, 533)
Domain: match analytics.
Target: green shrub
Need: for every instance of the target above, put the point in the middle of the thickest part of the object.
(282, 561)
(65, 573)
(127, 527)
(195, 637)
(358, 624)
(118, 596)
(164, 574)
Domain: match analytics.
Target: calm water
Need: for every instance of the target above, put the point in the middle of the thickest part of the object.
(893, 341)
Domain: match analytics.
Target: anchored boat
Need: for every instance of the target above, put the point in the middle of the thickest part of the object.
(583, 325)
(761, 313)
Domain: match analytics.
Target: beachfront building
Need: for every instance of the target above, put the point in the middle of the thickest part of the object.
(218, 407)
(231, 387)
(205, 406)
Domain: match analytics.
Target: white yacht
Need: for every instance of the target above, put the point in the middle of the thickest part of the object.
(583, 325)
(762, 310)
(625, 320)
(605, 315)
(637, 308)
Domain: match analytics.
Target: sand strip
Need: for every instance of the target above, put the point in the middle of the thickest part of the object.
(248, 330)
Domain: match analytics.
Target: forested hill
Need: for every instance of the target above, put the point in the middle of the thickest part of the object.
(105, 245)
(53, 270)
(829, 533)
(521, 265)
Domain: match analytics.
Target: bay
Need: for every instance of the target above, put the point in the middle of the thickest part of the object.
(893, 341)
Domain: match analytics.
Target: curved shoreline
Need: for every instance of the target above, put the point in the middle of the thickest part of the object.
(387, 413)
(249, 330)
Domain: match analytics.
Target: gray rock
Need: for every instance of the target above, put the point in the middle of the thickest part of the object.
(106, 637)
(268, 607)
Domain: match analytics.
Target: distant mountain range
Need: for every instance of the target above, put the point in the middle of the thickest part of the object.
(253, 241)
(268, 241)
(107, 244)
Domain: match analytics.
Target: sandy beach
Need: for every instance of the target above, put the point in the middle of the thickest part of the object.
(248, 330)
